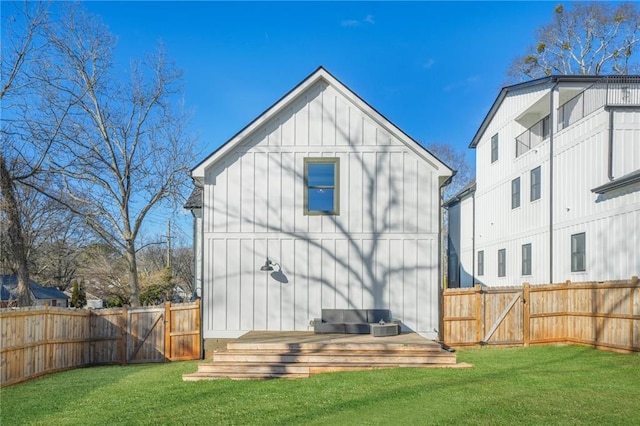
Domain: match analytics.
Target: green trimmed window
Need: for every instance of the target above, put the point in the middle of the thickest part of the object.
(578, 253)
(535, 183)
(526, 259)
(321, 186)
(502, 263)
(494, 148)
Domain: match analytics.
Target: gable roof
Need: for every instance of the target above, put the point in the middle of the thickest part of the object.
(554, 79)
(469, 188)
(9, 285)
(319, 74)
(195, 200)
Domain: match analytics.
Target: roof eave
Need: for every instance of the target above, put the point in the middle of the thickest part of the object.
(198, 172)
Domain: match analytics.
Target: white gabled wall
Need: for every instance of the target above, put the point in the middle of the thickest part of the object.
(380, 252)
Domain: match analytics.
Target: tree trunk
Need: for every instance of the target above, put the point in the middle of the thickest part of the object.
(133, 273)
(17, 250)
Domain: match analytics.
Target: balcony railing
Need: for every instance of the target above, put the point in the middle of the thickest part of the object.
(610, 91)
(533, 136)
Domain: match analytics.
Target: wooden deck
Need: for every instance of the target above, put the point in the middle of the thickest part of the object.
(268, 354)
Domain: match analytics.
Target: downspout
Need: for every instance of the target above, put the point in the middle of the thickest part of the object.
(473, 238)
(553, 127)
(610, 153)
(201, 282)
(441, 282)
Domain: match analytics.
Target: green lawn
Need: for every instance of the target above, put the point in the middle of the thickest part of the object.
(536, 385)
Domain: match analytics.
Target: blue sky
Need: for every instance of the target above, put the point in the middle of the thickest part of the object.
(432, 68)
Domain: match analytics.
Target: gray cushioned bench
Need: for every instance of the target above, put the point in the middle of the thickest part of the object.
(351, 321)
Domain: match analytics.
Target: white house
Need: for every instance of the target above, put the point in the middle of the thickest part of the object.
(320, 202)
(557, 191)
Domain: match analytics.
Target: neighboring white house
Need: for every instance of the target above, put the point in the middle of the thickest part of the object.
(320, 202)
(557, 191)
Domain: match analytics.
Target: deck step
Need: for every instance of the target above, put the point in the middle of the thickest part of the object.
(428, 346)
(338, 358)
(273, 358)
(241, 376)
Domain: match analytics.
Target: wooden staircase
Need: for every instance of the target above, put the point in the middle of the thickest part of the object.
(304, 357)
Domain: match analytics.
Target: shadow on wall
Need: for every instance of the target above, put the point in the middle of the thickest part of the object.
(366, 257)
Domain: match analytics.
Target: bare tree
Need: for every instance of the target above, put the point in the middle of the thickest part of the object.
(588, 38)
(122, 149)
(183, 269)
(52, 238)
(457, 160)
(102, 271)
(21, 47)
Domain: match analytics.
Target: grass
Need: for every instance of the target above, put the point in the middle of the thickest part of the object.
(534, 385)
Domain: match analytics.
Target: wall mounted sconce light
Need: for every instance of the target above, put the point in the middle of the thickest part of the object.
(269, 265)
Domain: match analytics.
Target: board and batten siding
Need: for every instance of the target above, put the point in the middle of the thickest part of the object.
(381, 251)
(611, 222)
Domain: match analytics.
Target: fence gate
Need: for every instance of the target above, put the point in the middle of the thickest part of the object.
(145, 335)
(503, 317)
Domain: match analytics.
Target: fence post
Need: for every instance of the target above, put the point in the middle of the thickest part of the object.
(526, 314)
(167, 331)
(479, 313)
(122, 346)
(632, 290)
(199, 328)
(565, 310)
(48, 351)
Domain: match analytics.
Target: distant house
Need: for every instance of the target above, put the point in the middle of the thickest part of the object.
(93, 302)
(41, 296)
(320, 202)
(557, 190)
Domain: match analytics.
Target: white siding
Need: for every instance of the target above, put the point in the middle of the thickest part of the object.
(380, 252)
(626, 142)
(611, 222)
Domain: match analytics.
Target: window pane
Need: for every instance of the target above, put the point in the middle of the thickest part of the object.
(515, 193)
(526, 259)
(578, 252)
(321, 195)
(494, 148)
(453, 271)
(535, 183)
(481, 262)
(321, 199)
(502, 258)
(321, 175)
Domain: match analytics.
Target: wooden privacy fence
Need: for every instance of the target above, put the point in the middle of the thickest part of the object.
(41, 340)
(604, 315)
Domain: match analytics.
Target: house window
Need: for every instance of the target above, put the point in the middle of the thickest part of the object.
(481, 263)
(502, 262)
(454, 268)
(526, 259)
(535, 183)
(515, 193)
(321, 192)
(578, 252)
(494, 148)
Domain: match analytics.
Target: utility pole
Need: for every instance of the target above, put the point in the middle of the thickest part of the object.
(169, 244)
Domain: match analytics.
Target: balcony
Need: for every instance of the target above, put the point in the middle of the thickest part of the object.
(610, 91)
(533, 136)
